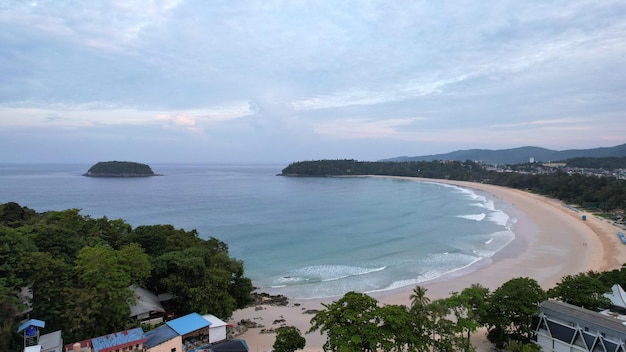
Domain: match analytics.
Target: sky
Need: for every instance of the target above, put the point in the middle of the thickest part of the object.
(285, 81)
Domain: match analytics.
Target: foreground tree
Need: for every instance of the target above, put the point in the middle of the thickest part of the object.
(468, 308)
(581, 290)
(10, 306)
(351, 324)
(419, 302)
(511, 309)
(445, 332)
(288, 339)
(399, 331)
(99, 297)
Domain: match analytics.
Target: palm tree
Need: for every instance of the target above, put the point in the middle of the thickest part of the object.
(418, 298)
(419, 303)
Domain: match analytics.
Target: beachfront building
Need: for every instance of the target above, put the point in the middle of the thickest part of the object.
(228, 346)
(123, 341)
(217, 329)
(618, 299)
(163, 339)
(564, 327)
(193, 329)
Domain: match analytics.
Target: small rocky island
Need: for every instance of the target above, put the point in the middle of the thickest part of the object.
(120, 169)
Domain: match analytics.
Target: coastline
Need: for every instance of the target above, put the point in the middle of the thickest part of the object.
(551, 241)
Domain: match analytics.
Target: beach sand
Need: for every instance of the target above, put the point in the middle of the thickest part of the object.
(551, 241)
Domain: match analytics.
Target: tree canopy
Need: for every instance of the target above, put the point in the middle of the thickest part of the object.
(80, 270)
(119, 168)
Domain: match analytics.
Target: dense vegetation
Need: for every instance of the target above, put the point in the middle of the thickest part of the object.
(604, 193)
(357, 322)
(119, 168)
(80, 269)
(608, 163)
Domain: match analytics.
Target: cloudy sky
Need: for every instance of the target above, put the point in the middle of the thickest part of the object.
(282, 81)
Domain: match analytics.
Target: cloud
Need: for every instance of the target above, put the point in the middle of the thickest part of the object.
(358, 129)
(289, 74)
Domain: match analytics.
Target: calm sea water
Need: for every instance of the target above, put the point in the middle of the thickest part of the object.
(302, 237)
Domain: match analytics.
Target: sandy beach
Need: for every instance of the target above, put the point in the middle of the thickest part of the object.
(551, 241)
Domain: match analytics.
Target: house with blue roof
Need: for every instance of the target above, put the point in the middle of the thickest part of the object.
(193, 329)
(120, 341)
(31, 331)
(123, 341)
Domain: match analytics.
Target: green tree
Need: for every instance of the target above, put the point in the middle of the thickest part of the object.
(288, 339)
(10, 307)
(469, 308)
(581, 290)
(201, 280)
(47, 277)
(111, 232)
(14, 245)
(511, 308)
(443, 329)
(98, 301)
(351, 324)
(134, 261)
(419, 303)
(13, 215)
(399, 331)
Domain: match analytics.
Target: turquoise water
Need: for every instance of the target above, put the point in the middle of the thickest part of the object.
(302, 237)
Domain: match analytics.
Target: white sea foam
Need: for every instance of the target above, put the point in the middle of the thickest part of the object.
(475, 217)
(499, 217)
(326, 273)
(432, 274)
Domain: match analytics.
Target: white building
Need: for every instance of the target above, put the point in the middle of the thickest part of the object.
(217, 329)
(564, 327)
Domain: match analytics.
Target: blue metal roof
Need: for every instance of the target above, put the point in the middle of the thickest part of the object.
(159, 335)
(123, 338)
(32, 322)
(188, 323)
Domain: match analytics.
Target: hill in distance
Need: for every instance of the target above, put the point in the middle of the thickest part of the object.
(519, 155)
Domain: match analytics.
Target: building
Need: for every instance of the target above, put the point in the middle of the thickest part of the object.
(52, 342)
(147, 307)
(123, 341)
(229, 346)
(34, 342)
(564, 327)
(163, 339)
(193, 329)
(217, 329)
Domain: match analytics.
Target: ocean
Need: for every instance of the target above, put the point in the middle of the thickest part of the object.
(303, 237)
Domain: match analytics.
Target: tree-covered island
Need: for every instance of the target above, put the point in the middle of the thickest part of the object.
(119, 169)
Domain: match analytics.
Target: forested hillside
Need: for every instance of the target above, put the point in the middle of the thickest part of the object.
(80, 270)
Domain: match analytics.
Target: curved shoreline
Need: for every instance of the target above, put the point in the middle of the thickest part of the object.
(551, 241)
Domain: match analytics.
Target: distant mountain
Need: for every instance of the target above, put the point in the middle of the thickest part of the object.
(518, 155)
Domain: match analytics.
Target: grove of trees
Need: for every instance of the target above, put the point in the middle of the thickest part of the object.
(359, 323)
(80, 269)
